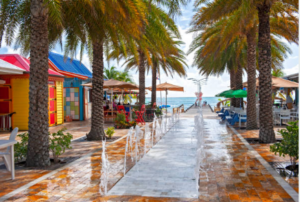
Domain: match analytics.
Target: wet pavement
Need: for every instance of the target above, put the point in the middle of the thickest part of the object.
(231, 172)
(167, 170)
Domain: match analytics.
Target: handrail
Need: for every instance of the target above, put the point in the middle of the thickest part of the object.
(210, 108)
(189, 107)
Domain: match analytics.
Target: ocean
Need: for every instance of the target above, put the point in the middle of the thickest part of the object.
(187, 101)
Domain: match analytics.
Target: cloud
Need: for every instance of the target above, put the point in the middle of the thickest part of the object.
(292, 70)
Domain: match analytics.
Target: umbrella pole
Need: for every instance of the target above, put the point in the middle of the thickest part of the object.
(166, 101)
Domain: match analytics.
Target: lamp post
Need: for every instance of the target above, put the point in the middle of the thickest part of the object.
(198, 82)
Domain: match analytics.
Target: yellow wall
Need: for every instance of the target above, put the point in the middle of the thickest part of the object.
(59, 102)
(20, 102)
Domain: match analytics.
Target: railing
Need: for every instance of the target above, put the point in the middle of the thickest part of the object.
(210, 107)
(189, 107)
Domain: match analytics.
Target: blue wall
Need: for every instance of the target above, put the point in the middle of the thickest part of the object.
(75, 82)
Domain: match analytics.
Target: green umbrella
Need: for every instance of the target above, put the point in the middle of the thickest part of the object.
(224, 93)
(239, 93)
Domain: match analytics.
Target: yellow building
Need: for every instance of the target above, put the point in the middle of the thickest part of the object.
(14, 95)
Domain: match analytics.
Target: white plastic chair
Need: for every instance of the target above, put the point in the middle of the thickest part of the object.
(6, 155)
(284, 115)
(276, 112)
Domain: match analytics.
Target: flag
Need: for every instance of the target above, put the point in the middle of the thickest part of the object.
(157, 75)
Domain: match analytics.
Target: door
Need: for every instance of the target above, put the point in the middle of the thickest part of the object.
(87, 103)
(51, 103)
(72, 102)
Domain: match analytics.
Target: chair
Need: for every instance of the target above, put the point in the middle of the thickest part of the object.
(284, 115)
(242, 117)
(121, 110)
(140, 114)
(6, 154)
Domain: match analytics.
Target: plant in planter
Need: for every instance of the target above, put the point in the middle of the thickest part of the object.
(59, 142)
(109, 132)
(289, 144)
(121, 123)
(21, 147)
(158, 112)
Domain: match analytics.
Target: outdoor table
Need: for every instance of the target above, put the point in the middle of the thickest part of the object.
(10, 143)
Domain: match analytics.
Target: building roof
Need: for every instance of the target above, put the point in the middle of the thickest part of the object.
(69, 67)
(23, 63)
(7, 68)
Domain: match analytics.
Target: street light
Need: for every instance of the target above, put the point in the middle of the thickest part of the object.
(199, 82)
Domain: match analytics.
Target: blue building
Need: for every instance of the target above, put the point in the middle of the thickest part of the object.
(76, 98)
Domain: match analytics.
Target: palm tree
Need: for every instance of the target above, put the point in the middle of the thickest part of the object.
(95, 28)
(277, 73)
(173, 7)
(32, 19)
(142, 53)
(112, 73)
(242, 20)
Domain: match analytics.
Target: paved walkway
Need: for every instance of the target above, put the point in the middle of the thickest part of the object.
(167, 170)
(232, 171)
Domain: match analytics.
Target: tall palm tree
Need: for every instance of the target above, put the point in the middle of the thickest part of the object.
(173, 7)
(31, 19)
(140, 53)
(242, 20)
(96, 26)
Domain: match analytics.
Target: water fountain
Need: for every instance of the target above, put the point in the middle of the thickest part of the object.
(104, 170)
(128, 147)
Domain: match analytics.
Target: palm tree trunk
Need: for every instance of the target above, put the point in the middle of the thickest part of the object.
(266, 131)
(141, 78)
(38, 142)
(97, 128)
(153, 94)
(232, 86)
(251, 88)
(239, 84)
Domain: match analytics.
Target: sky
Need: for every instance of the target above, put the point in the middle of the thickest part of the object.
(214, 84)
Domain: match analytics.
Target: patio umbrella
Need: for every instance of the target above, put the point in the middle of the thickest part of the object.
(111, 83)
(224, 93)
(167, 87)
(239, 93)
(278, 83)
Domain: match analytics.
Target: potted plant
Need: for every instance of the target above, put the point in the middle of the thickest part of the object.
(288, 145)
(59, 142)
(110, 132)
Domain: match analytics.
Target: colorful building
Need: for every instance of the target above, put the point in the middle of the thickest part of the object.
(77, 103)
(15, 93)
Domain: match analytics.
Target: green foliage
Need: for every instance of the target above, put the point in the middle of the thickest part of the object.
(227, 103)
(120, 122)
(113, 73)
(59, 142)
(21, 147)
(289, 144)
(110, 131)
(120, 117)
(158, 111)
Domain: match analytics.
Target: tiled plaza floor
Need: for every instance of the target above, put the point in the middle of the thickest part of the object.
(231, 173)
(264, 151)
(167, 170)
(76, 128)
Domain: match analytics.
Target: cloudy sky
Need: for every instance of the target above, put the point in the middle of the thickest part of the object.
(214, 84)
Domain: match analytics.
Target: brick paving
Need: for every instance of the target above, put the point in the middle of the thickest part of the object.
(231, 173)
